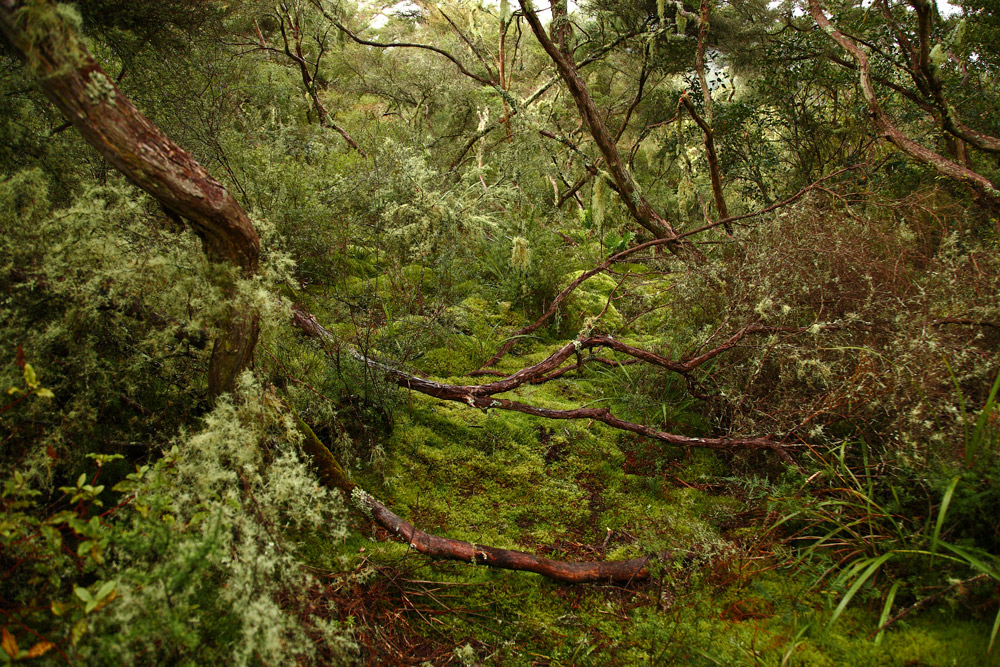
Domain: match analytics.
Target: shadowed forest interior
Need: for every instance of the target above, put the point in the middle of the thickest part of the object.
(607, 332)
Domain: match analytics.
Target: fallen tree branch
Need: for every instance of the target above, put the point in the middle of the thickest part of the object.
(483, 396)
(332, 475)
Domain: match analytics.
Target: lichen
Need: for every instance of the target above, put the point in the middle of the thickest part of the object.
(99, 88)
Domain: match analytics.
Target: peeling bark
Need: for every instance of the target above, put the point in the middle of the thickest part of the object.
(483, 396)
(71, 78)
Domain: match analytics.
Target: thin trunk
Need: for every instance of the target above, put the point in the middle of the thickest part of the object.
(637, 205)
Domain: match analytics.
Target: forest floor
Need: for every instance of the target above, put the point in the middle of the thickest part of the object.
(733, 593)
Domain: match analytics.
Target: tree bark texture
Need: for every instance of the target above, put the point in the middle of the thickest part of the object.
(70, 77)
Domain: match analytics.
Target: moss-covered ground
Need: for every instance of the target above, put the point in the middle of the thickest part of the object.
(734, 590)
(730, 595)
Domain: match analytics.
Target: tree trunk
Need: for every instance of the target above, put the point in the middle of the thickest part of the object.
(71, 78)
(637, 206)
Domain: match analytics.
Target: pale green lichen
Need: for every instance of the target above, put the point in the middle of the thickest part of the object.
(520, 256)
(99, 88)
(50, 29)
(362, 500)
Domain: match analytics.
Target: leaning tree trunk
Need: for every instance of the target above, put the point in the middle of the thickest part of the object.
(71, 78)
(636, 204)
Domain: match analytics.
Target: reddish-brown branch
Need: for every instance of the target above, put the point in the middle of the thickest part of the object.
(613, 259)
(531, 99)
(332, 475)
(948, 116)
(308, 80)
(483, 396)
(714, 171)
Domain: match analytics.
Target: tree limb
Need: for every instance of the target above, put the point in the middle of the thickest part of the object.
(638, 207)
(333, 476)
(953, 170)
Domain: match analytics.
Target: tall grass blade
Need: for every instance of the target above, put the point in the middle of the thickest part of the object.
(993, 635)
(979, 433)
(886, 610)
(942, 512)
(873, 566)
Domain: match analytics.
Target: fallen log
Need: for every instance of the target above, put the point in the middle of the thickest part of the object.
(333, 476)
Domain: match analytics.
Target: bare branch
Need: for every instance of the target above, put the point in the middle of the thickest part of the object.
(953, 170)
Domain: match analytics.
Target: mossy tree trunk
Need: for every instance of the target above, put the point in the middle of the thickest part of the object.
(40, 32)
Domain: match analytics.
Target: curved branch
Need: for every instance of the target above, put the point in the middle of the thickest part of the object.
(618, 257)
(948, 115)
(333, 476)
(482, 396)
(73, 80)
(309, 79)
(531, 99)
(714, 171)
(953, 170)
(408, 45)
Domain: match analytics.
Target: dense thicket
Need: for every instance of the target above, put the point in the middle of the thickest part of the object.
(584, 284)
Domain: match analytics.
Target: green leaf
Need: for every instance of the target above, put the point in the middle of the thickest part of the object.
(889, 599)
(84, 547)
(30, 378)
(82, 593)
(107, 589)
(993, 635)
(44, 393)
(941, 513)
(873, 565)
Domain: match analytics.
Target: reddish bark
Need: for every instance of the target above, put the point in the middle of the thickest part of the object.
(482, 396)
(71, 78)
(309, 78)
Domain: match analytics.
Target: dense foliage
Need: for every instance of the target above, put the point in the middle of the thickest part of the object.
(426, 205)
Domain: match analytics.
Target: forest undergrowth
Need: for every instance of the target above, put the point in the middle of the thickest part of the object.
(651, 285)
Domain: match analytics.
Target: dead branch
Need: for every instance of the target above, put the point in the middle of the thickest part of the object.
(308, 79)
(613, 259)
(332, 476)
(483, 396)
